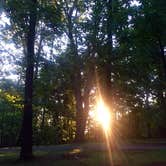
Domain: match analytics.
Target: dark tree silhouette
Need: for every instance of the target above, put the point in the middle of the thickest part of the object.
(26, 132)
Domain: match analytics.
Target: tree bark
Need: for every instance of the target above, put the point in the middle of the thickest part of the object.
(162, 56)
(107, 69)
(37, 58)
(79, 109)
(76, 77)
(26, 132)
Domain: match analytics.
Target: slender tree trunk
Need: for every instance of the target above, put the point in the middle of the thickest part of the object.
(43, 119)
(107, 90)
(162, 77)
(76, 75)
(82, 99)
(2, 128)
(82, 117)
(147, 107)
(26, 132)
(85, 114)
(79, 109)
(37, 58)
(163, 58)
(76, 84)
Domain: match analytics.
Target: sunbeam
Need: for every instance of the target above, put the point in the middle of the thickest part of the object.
(103, 116)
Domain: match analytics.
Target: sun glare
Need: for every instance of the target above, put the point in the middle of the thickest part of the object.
(103, 115)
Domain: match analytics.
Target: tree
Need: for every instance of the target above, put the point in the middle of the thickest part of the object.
(26, 132)
(25, 19)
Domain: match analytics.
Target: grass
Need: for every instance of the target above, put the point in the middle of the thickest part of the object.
(146, 141)
(87, 157)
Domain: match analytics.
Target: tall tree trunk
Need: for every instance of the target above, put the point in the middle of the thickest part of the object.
(43, 119)
(76, 77)
(162, 76)
(26, 132)
(163, 59)
(107, 70)
(77, 92)
(83, 114)
(79, 108)
(147, 111)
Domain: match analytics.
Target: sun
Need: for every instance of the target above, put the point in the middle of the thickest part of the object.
(103, 115)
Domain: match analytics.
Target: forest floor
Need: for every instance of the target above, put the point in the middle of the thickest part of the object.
(91, 154)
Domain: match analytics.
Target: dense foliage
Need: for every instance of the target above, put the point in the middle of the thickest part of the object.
(80, 45)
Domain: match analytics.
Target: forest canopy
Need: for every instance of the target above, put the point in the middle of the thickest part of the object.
(59, 56)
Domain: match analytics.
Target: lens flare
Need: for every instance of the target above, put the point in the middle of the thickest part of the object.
(103, 115)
